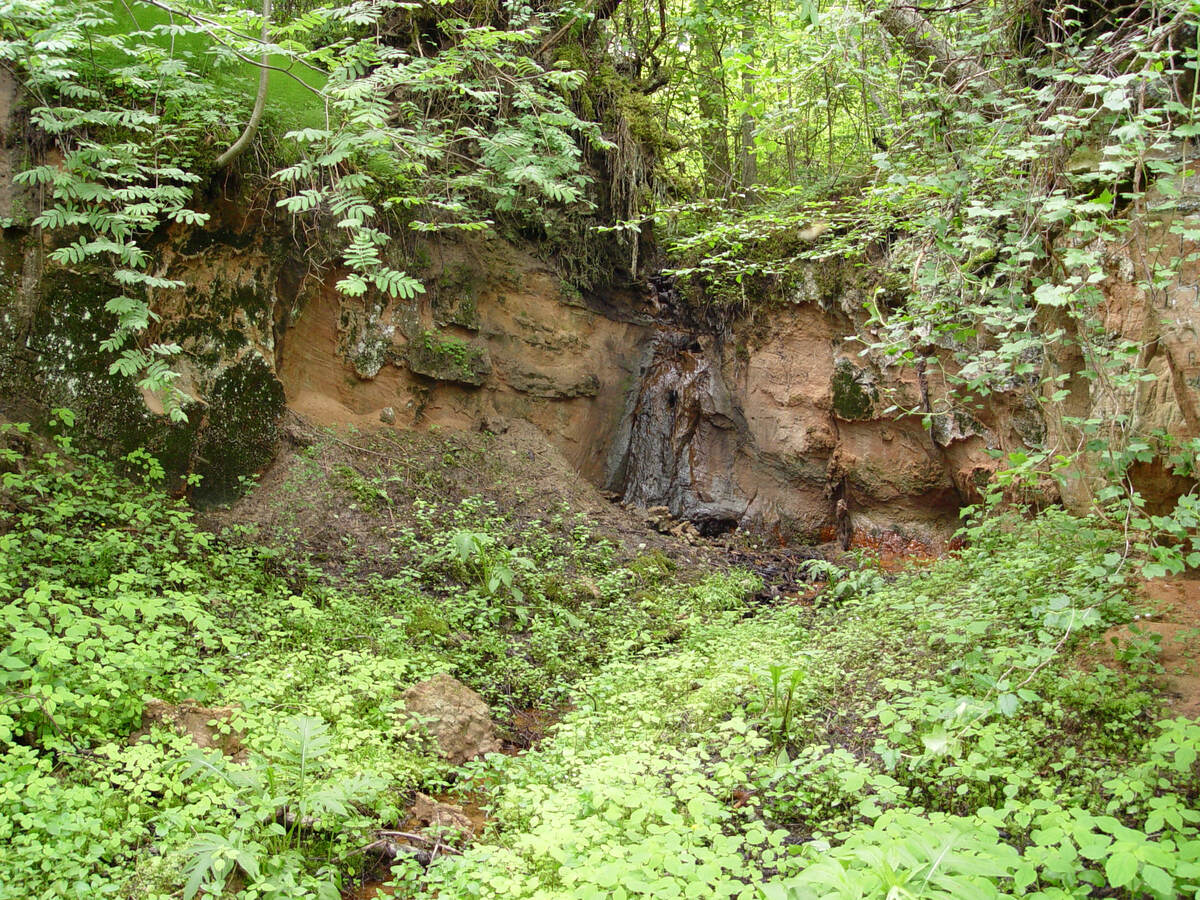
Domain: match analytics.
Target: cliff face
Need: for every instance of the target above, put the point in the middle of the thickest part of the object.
(496, 337)
(767, 432)
(767, 425)
(1165, 324)
(774, 424)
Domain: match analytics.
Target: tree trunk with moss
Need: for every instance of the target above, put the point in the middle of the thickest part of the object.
(920, 40)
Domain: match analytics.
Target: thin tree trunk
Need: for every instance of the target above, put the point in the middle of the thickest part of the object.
(260, 101)
(748, 155)
(714, 114)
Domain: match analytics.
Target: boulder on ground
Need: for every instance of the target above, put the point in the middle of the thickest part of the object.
(201, 723)
(455, 716)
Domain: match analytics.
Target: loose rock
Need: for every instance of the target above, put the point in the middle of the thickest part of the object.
(455, 716)
(442, 817)
(201, 723)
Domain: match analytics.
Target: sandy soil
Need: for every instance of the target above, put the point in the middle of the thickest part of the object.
(1172, 618)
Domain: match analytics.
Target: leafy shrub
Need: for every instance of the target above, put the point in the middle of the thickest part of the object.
(100, 578)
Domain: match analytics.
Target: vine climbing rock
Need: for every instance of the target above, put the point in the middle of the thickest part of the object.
(455, 716)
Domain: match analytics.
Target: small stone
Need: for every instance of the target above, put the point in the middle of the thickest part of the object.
(387, 415)
(429, 813)
(493, 424)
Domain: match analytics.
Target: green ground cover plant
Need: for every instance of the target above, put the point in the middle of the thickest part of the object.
(932, 734)
(113, 594)
(941, 741)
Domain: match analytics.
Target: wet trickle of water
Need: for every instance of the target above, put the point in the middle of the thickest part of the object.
(664, 422)
(682, 422)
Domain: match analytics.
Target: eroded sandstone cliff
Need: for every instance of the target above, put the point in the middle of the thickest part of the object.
(766, 423)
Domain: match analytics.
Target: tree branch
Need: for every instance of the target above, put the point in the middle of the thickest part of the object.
(921, 41)
(196, 19)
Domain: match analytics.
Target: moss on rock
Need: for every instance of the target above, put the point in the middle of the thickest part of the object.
(240, 427)
(455, 298)
(446, 359)
(945, 428)
(854, 392)
(365, 338)
(51, 355)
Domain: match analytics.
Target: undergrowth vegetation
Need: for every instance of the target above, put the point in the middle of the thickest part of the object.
(933, 734)
(112, 595)
(930, 737)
